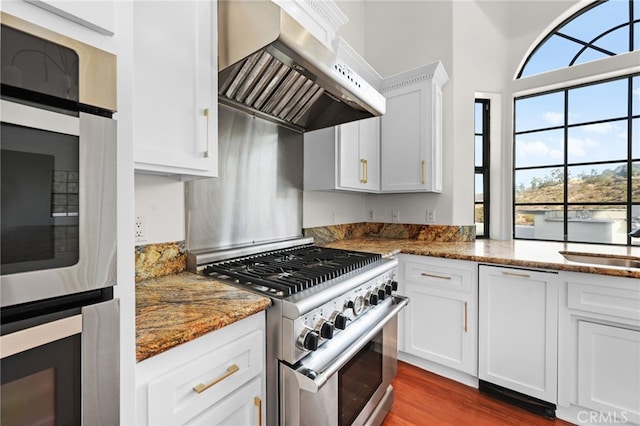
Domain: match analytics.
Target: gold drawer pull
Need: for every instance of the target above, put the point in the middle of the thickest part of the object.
(442, 277)
(258, 403)
(202, 387)
(515, 274)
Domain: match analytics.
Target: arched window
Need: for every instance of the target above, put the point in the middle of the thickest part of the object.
(601, 30)
(577, 149)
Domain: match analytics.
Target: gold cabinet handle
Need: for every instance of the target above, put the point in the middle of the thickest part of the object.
(206, 116)
(515, 274)
(422, 173)
(366, 171)
(362, 165)
(258, 403)
(442, 277)
(201, 387)
(465, 317)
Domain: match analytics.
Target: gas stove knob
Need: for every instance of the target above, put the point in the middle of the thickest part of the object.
(388, 289)
(372, 298)
(381, 294)
(394, 285)
(326, 329)
(340, 321)
(308, 339)
(356, 304)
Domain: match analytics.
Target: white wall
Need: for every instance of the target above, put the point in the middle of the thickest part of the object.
(160, 204)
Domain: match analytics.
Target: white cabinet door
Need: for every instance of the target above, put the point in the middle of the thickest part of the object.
(440, 322)
(175, 86)
(411, 131)
(358, 155)
(518, 328)
(345, 157)
(609, 370)
(350, 166)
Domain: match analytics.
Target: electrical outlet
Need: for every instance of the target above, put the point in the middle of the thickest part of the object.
(140, 229)
(395, 215)
(372, 214)
(431, 216)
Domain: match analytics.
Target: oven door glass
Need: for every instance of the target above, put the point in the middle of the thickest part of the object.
(358, 380)
(42, 385)
(39, 199)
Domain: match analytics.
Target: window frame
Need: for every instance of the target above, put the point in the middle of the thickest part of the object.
(628, 161)
(484, 168)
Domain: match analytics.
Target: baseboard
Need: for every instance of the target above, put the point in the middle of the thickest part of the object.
(440, 370)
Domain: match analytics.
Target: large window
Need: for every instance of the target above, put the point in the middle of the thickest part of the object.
(577, 163)
(481, 202)
(577, 149)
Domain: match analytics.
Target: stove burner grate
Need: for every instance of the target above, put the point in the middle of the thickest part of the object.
(286, 272)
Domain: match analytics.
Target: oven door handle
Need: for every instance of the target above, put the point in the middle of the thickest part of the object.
(366, 328)
(24, 340)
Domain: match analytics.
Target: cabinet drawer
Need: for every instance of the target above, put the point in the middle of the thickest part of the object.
(437, 276)
(172, 396)
(618, 302)
(242, 407)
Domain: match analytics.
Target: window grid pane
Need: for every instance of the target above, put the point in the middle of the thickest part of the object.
(572, 183)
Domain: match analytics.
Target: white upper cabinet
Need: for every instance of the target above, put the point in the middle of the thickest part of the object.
(175, 88)
(98, 15)
(344, 157)
(411, 131)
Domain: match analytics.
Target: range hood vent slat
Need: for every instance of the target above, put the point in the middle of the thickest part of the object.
(271, 86)
(280, 92)
(296, 99)
(251, 79)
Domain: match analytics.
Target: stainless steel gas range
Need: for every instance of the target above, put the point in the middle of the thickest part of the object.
(331, 329)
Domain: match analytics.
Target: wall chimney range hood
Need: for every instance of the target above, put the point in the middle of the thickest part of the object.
(272, 67)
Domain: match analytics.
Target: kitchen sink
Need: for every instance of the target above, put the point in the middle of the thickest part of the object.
(602, 259)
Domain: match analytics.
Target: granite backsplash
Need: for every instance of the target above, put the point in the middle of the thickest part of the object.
(157, 260)
(436, 233)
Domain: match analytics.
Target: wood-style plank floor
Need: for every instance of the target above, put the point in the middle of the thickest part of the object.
(424, 398)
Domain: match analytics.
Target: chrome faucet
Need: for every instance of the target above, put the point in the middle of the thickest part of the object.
(635, 233)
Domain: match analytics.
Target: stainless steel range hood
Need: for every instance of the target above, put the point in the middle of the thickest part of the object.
(272, 67)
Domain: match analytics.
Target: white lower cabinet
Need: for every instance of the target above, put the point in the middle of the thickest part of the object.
(599, 352)
(609, 369)
(440, 323)
(518, 329)
(217, 379)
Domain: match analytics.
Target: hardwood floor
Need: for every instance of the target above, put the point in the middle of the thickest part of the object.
(424, 398)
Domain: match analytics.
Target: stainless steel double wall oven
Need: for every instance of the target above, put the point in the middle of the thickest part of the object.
(59, 320)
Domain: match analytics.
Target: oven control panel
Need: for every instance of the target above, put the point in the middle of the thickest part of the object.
(320, 325)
